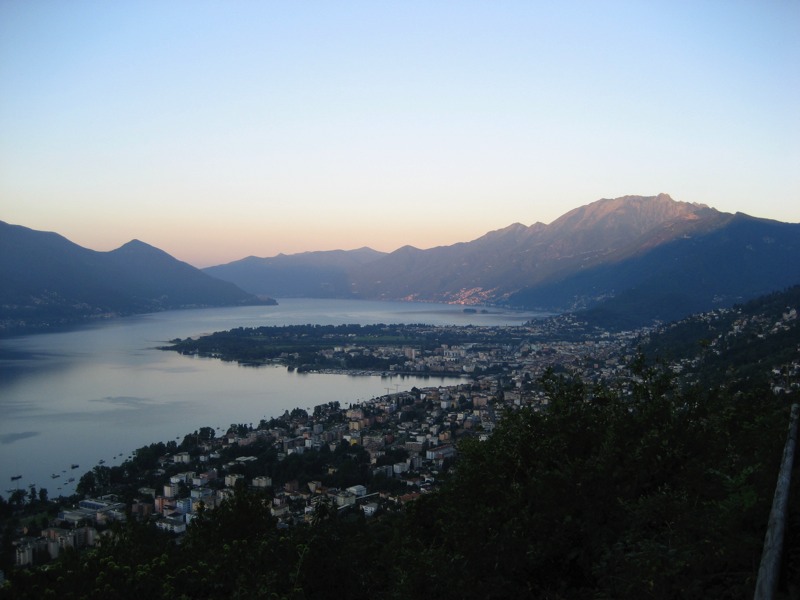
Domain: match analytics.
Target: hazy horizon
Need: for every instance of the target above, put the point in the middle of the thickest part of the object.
(310, 250)
(219, 131)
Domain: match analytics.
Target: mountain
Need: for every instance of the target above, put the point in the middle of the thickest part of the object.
(309, 274)
(745, 258)
(48, 280)
(501, 263)
(755, 342)
(623, 261)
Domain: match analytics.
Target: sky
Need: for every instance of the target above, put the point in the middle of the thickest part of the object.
(220, 130)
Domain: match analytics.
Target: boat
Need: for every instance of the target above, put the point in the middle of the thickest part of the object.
(74, 466)
(101, 461)
(70, 480)
(55, 475)
(15, 477)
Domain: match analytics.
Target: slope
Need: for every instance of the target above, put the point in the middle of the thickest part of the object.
(308, 274)
(50, 281)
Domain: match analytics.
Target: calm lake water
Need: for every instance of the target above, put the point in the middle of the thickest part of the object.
(99, 392)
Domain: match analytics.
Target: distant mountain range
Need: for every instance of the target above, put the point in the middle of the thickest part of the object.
(309, 274)
(622, 262)
(48, 281)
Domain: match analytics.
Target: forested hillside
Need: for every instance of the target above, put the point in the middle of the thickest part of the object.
(50, 282)
(757, 342)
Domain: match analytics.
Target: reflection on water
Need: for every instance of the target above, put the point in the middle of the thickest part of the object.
(98, 392)
(10, 438)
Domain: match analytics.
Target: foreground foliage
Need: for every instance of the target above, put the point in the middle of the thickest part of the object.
(650, 494)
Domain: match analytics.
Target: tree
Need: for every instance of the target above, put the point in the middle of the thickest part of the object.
(659, 493)
(5, 508)
(245, 516)
(298, 414)
(102, 478)
(86, 484)
(17, 499)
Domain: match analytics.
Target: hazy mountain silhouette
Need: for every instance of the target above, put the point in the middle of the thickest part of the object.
(308, 274)
(48, 280)
(622, 262)
(630, 259)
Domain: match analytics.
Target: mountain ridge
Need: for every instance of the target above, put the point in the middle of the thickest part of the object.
(306, 274)
(49, 281)
(619, 262)
(592, 250)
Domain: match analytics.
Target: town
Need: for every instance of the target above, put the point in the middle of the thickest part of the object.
(369, 456)
(361, 459)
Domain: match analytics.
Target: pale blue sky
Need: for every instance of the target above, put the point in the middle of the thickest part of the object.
(217, 130)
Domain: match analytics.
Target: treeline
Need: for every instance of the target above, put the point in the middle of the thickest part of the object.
(658, 493)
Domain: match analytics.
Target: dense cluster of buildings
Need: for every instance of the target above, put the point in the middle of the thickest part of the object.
(77, 528)
(419, 427)
(405, 438)
(528, 349)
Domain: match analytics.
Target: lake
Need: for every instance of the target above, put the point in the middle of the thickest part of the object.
(100, 391)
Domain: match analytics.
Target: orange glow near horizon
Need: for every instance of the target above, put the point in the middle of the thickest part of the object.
(220, 132)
